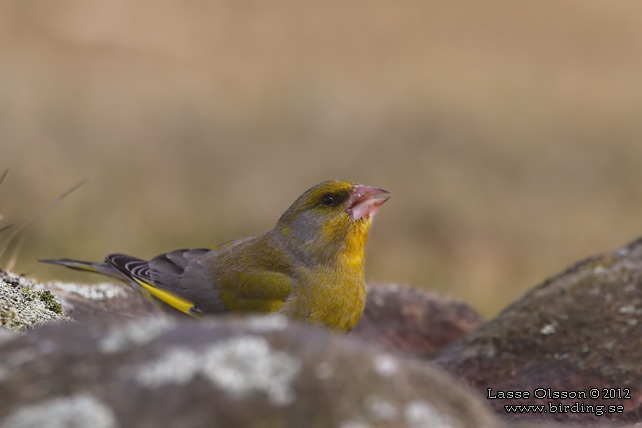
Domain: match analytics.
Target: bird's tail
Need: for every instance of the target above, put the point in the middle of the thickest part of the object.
(101, 268)
(162, 299)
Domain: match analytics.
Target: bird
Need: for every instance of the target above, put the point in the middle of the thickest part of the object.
(309, 267)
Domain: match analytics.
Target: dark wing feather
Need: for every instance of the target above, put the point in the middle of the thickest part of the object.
(136, 272)
(131, 267)
(206, 277)
(177, 272)
(180, 273)
(166, 270)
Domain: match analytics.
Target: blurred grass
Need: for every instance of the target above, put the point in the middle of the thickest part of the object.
(508, 133)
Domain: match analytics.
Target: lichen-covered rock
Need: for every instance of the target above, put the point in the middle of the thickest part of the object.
(22, 308)
(89, 301)
(399, 319)
(413, 322)
(577, 335)
(220, 372)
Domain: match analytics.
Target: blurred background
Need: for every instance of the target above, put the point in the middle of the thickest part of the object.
(509, 133)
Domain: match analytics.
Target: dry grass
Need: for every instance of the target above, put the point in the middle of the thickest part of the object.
(509, 133)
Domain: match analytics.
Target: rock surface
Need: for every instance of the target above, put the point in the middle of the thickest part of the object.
(413, 322)
(575, 335)
(84, 302)
(400, 319)
(22, 308)
(579, 331)
(221, 372)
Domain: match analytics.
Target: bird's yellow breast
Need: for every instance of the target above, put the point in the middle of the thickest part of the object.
(334, 301)
(334, 295)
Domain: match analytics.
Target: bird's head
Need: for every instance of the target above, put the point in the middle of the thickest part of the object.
(330, 221)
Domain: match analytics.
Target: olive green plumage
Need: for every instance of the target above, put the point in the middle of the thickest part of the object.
(309, 267)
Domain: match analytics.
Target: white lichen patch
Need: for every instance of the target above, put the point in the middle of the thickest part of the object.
(80, 410)
(421, 414)
(483, 350)
(239, 366)
(22, 308)
(16, 279)
(135, 333)
(378, 300)
(380, 408)
(386, 365)
(548, 329)
(267, 323)
(629, 309)
(102, 291)
(175, 366)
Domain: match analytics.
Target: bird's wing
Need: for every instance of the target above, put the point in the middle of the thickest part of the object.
(254, 291)
(139, 273)
(226, 278)
(183, 274)
(250, 274)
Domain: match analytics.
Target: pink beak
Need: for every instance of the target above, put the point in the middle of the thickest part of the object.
(365, 201)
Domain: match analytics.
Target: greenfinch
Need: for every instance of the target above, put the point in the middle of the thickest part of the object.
(310, 266)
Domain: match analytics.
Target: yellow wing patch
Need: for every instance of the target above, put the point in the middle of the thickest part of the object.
(173, 300)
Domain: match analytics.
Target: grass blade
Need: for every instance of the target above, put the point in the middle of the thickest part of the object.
(4, 243)
(4, 174)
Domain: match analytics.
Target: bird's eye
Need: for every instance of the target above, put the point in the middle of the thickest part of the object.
(328, 200)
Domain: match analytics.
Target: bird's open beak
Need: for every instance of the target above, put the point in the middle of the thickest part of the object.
(365, 201)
